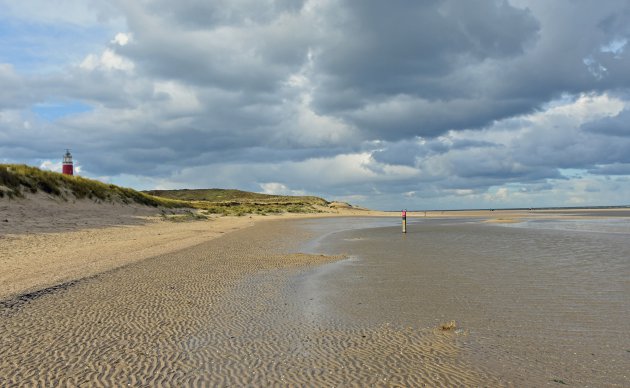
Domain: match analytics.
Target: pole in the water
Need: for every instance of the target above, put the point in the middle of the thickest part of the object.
(404, 221)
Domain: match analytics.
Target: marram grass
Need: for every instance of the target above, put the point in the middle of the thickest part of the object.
(17, 181)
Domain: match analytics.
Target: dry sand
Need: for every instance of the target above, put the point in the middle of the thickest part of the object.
(44, 241)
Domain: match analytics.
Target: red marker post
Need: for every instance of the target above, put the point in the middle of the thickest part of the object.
(404, 221)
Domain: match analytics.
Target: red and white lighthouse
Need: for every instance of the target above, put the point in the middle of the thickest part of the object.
(66, 166)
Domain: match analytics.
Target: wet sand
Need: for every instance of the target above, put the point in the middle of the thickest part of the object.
(218, 313)
(543, 303)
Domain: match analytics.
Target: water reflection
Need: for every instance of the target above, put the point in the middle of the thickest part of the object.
(552, 296)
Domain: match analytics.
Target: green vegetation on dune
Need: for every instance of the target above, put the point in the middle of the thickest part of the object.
(231, 195)
(237, 202)
(241, 209)
(16, 180)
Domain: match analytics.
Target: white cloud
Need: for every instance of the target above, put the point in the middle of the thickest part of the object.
(50, 166)
(121, 39)
(108, 61)
(502, 194)
(586, 107)
(56, 166)
(276, 188)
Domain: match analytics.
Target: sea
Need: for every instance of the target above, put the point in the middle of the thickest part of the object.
(540, 302)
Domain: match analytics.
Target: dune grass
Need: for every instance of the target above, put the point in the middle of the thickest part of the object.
(18, 180)
(231, 195)
(239, 203)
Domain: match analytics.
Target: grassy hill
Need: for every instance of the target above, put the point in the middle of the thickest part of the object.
(237, 202)
(231, 195)
(17, 181)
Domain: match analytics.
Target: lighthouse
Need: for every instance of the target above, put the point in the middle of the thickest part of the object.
(67, 164)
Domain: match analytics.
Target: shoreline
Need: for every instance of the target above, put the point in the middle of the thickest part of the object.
(216, 313)
(162, 302)
(45, 243)
(501, 285)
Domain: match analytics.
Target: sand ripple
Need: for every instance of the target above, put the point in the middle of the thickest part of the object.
(214, 314)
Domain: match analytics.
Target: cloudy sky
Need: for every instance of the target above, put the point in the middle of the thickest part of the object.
(433, 104)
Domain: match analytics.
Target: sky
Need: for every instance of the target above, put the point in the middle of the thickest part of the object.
(433, 104)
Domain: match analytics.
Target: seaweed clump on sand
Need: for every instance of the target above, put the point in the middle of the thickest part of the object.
(449, 326)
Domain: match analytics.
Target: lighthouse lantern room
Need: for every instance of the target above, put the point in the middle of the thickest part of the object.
(67, 164)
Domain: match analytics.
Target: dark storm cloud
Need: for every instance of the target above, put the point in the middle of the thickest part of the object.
(411, 153)
(393, 47)
(202, 14)
(438, 66)
(613, 126)
(401, 153)
(405, 117)
(570, 149)
(393, 70)
(570, 56)
(402, 68)
(612, 169)
(498, 165)
(238, 46)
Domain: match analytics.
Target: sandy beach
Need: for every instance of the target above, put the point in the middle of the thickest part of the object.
(44, 242)
(110, 295)
(204, 310)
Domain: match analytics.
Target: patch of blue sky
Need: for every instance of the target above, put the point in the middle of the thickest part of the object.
(37, 47)
(615, 46)
(573, 172)
(55, 110)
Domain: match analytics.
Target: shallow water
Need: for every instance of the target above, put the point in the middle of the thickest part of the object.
(542, 302)
(604, 225)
